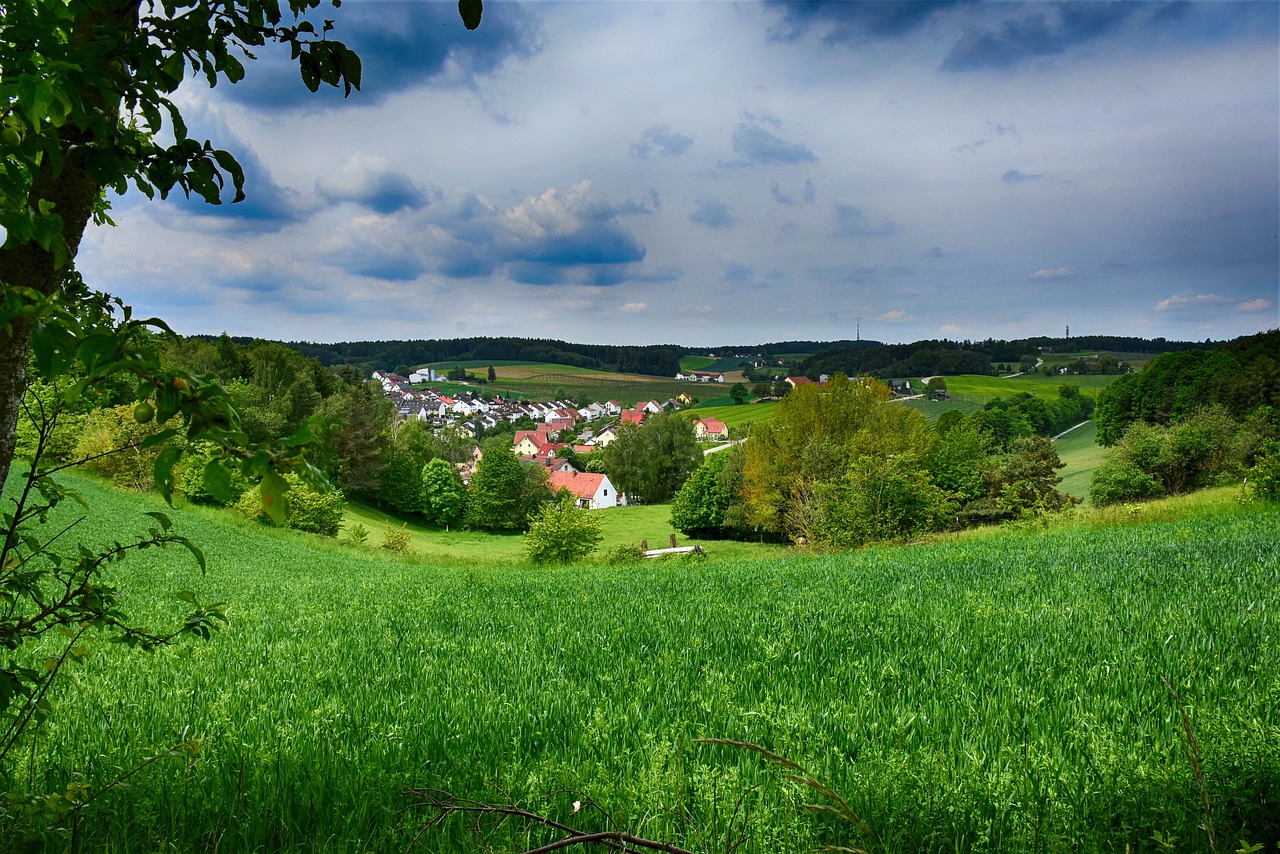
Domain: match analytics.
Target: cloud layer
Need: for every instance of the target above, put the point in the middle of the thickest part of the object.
(706, 173)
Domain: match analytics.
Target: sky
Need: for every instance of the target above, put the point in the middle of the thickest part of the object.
(710, 173)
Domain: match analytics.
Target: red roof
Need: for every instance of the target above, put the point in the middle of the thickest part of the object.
(538, 437)
(581, 484)
(633, 416)
(712, 425)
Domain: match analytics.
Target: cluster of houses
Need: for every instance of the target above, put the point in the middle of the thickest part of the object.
(594, 426)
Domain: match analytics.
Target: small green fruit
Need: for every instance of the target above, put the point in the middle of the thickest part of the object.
(11, 138)
(143, 412)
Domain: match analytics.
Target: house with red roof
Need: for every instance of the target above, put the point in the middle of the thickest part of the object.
(526, 442)
(592, 491)
(710, 429)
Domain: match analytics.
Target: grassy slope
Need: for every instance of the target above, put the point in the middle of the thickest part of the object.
(982, 389)
(696, 363)
(1080, 450)
(962, 696)
(621, 526)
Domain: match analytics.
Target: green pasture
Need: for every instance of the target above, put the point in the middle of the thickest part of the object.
(696, 363)
(974, 387)
(986, 694)
(621, 526)
(1081, 452)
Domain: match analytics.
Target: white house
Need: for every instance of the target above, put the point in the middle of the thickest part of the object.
(592, 491)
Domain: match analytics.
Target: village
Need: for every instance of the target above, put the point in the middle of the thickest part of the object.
(558, 425)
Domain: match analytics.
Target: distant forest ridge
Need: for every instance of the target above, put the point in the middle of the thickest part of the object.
(851, 357)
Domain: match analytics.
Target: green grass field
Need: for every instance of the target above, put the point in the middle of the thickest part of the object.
(1080, 450)
(696, 363)
(981, 389)
(993, 693)
(734, 415)
(621, 526)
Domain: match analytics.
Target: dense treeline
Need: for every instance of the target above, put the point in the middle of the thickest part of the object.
(1191, 419)
(923, 358)
(852, 358)
(1240, 376)
(656, 360)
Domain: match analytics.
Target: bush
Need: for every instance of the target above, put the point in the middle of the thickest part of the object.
(629, 553)
(1121, 480)
(396, 539)
(191, 476)
(1266, 473)
(357, 535)
(314, 512)
(561, 533)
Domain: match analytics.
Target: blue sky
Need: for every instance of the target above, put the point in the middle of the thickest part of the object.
(708, 173)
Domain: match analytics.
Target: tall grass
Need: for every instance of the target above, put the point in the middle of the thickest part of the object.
(977, 695)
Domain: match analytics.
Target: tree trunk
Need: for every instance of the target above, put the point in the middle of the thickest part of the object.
(73, 194)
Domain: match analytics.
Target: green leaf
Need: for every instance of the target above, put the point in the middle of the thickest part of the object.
(217, 481)
(165, 462)
(273, 491)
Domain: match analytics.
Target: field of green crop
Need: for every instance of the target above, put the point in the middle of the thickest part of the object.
(696, 363)
(973, 387)
(998, 694)
(734, 415)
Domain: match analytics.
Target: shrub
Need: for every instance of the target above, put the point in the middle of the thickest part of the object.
(1266, 473)
(357, 535)
(396, 539)
(561, 533)
(191, 477)
(624, 554)
(314, 512)
(1121, 480)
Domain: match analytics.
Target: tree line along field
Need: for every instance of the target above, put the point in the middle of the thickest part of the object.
(986, 694)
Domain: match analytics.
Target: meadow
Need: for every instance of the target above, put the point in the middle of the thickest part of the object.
(985, 693)
(545, 381)
(981, 389)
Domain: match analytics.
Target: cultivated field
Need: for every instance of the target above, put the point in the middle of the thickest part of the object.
(985, 694)
(980, 389)
(542, 381)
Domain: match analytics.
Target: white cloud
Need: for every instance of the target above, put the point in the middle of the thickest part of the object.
(950, 329)
(1051, 273)
(634, 307)
(1255, 305)
(1180, 301)
(895, 314)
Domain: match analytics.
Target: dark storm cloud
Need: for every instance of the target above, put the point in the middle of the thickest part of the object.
(662, 141)
(845, 22)
(1041, 33)
(401, 46)
(713, 214)
(756, 146)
